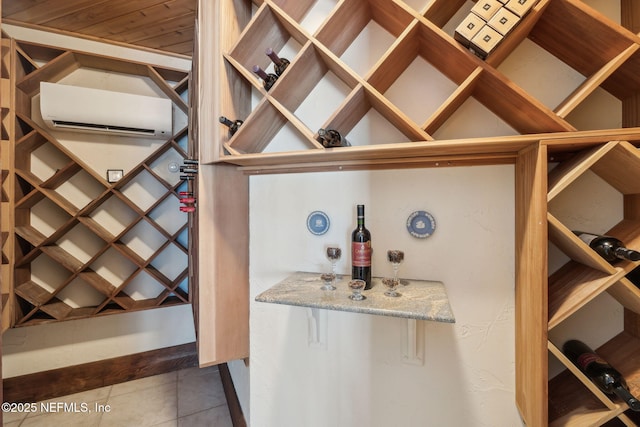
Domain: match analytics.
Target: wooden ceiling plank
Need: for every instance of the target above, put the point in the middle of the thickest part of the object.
(113, 10)
(165, 25)
(184, 48)
(11, 7)
(142, 13)
(161, 29)
(81, 16)
(47, 10)
(168, 39)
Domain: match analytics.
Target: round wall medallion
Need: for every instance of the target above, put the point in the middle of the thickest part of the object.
(318, 223)
(421, 224)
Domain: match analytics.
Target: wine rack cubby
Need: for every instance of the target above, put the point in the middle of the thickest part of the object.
(574, 400)
(75, 245)
(594, 56)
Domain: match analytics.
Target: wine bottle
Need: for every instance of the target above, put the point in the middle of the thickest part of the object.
(361, 250)
(186, 169)
(332, 138)
(603, 375)
(279, 64)
(608, 247)
(634, 276)
(233, 125)
(268, 79)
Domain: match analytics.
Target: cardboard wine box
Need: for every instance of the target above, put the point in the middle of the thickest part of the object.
(485, 41)
(504, 21)
(468, 28)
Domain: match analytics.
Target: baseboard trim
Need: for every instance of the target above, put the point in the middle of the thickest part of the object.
(87, 376)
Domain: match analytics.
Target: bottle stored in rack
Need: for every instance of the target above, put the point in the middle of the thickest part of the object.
(331, 138)
(268, 79)
(279, 64)
(233, 125)
(608, 247)
(601, 373)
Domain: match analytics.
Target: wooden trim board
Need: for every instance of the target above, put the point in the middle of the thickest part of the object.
(87, 376)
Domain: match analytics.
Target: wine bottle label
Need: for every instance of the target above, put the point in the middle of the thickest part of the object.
(586, 359)
(361, 254)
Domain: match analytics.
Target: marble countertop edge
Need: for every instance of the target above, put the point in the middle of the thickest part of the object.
(420, 299)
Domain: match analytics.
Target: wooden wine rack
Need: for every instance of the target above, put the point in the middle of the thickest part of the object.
(583, 39)
(80, 221)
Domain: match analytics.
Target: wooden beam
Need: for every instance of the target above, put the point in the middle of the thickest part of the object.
(531, 285)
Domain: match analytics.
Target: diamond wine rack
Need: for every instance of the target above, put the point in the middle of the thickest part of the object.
(75, 245)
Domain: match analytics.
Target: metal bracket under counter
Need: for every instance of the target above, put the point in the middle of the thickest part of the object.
(419, 300)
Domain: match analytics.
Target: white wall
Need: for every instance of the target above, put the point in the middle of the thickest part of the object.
(359, 378)
(43, 347)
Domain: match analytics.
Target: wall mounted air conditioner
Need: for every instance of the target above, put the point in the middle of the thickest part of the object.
(82, 109)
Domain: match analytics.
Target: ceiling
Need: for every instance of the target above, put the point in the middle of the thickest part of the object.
(165, 25)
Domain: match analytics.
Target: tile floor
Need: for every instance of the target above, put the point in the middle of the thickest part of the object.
(188, 398)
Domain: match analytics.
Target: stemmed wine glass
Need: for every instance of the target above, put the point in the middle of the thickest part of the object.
(395, 257)
(334, 254)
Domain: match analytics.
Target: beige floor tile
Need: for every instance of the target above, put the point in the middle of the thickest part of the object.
(199, 391)
(95, 395)
(191, 397)
(143, 383)
(145, 407)
(66, 419)
(214, 417)
(174, 423)
(195, 371)
(13, 417)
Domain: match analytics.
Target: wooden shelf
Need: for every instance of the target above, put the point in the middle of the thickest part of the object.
(419, 300)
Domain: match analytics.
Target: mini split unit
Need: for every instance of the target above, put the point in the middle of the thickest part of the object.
(82, 109)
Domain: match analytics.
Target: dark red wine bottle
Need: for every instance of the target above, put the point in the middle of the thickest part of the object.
(279, 64)
(268, 79)
(332, 138)
(361, 251)
(603, 375)
(608, 247)
(233, 125)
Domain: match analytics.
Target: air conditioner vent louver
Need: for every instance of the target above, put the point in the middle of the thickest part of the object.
(108, 128)
(83, 109)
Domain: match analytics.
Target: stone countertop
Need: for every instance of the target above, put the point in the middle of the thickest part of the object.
(420, 299)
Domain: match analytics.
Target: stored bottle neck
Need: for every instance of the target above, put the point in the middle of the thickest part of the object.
(624, 253)
(624, 394)
(225, 121)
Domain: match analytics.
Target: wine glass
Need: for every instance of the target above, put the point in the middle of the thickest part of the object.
(391, 284)
(334, 254)
(356, 287)
(395, 257)
(327, 279)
